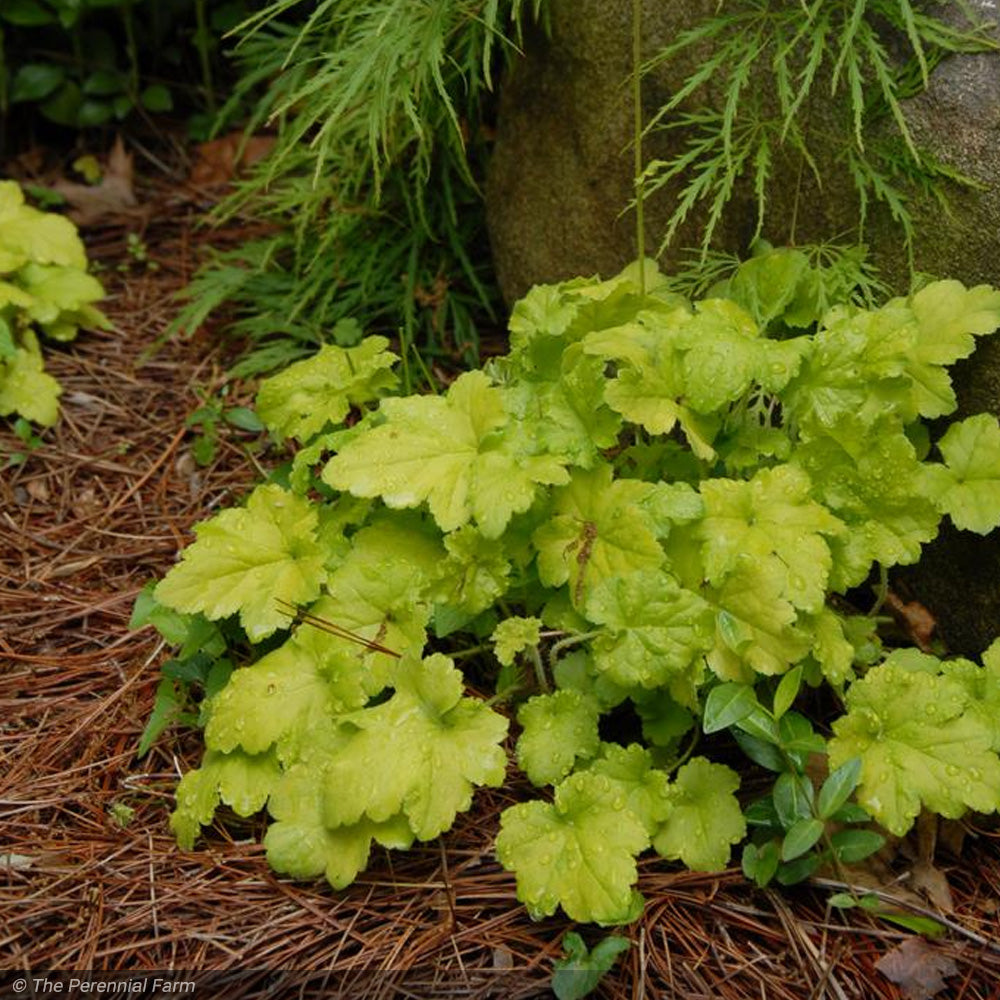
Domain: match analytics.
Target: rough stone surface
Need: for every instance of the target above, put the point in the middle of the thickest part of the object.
(958, 581)
(562, 174)
(957, 119)
(958, 576)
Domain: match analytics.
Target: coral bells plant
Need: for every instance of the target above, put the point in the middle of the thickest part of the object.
(632, 531)
(44, 290)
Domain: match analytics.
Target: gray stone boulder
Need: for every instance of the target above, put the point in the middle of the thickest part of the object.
(561, 178)
(561, 173)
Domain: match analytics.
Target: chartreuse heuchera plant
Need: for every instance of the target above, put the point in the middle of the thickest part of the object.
(634, 527)
(44, 289)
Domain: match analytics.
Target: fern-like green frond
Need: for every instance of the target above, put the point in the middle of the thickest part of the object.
(373, 181)
(861, 58)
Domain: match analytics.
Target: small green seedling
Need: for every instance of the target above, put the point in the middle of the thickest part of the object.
(210, 416)
(28, 437)
(578, 974)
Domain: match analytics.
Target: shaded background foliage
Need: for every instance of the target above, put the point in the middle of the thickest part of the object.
(383, 115)
(90, 63)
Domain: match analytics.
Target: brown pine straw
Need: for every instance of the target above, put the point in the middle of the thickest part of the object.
(101, 508)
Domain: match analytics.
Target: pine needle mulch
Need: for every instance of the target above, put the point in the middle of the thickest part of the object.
(90, 878)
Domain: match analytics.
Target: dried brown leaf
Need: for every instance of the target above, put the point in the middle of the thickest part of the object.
(927, 879)
(38, 490)
(220, 160)
(114, 196)
(951, 836)
(915, 621)
(502, 958)
(917, 968)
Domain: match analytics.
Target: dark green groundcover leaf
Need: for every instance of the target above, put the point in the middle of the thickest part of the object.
(35, 81)
(580, 971)
(26, 13)
(157, 98)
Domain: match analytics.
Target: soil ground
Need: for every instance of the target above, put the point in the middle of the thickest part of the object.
(101, 508)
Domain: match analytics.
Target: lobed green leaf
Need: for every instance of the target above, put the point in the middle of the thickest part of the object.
(245, 560)
(971, 451)
(705, 819)
(558, 730)
(461, 454)
(577, 852)
(919, 746)
(301, 400)
(420, 753)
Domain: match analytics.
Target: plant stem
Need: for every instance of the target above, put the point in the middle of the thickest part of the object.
(795, 203)
(905, 904)
(536, 662)
(425, 371)
(462, 654)
(675, 765)
(881, 591)
(501, 696)
(570, 640)
(409, 317)
(133, 52)
(640, 225)
(201, 44)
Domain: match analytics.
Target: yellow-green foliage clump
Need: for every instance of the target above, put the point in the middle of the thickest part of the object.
(44, 288)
